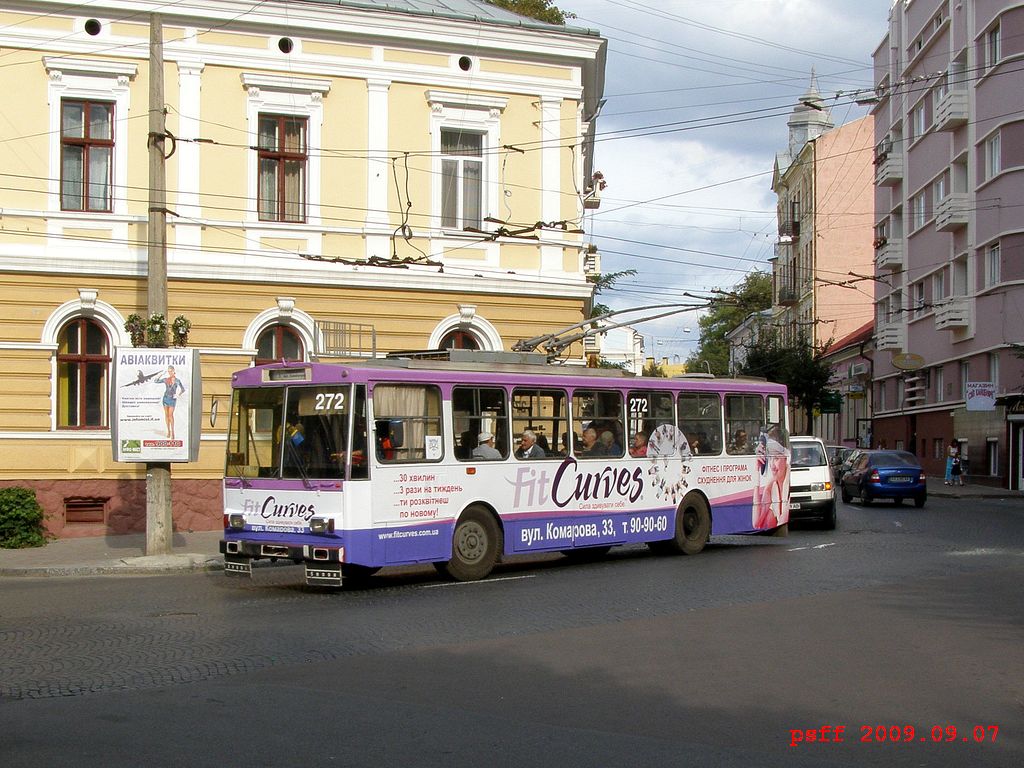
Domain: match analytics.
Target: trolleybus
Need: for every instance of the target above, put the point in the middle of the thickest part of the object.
(350, 467)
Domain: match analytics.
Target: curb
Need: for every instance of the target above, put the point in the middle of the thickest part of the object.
(135, 566)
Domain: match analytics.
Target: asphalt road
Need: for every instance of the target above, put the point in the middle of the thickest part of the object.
(902, 618)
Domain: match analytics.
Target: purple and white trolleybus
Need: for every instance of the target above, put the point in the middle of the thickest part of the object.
(466, 457)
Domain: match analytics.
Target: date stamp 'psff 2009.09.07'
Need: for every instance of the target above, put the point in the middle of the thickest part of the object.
(894, 734)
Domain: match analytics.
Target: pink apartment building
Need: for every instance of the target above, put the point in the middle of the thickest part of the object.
(824, 261)
(949, 231)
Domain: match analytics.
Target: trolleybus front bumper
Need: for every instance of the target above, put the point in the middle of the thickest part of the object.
(323, 564)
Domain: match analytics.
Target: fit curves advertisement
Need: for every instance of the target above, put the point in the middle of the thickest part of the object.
(156, 404)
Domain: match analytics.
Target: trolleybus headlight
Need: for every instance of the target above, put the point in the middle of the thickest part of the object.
(237, 521)
(321, 525)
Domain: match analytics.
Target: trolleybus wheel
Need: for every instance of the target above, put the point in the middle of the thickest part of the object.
(693, 527)
(476, 543)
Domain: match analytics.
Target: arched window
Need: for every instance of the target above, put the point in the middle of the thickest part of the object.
(83, 370)
(459, 340)
(276, 343)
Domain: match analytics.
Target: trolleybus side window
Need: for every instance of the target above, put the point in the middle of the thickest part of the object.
(411, 413)
(315, 441)
(700, 419)
(776, 422)
(597, 419)
(744, 420)
(543, 412)
(649, 414)
(478, 412)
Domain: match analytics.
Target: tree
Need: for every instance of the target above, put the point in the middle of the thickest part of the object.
(542, 10)
(800, 366)
(653, 369)
(753, 294)
(604, 282)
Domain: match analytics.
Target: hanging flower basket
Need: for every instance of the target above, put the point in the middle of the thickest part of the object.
(136, 328)
(179, 330)
(156, 331)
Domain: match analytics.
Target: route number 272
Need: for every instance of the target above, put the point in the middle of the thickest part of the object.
(329, 401)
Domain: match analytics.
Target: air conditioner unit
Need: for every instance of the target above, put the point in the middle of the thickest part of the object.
(858, 369)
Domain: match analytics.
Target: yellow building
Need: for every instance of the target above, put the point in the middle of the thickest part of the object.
(343, 179)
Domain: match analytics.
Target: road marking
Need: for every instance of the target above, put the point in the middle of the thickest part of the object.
(797, 549)
(898, 524)
(816, 546)
(822, 546)
(481, 581)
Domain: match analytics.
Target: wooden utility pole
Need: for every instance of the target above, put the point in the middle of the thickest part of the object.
(158, 474)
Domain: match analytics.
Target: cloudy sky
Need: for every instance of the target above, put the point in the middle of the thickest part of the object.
(698, 95)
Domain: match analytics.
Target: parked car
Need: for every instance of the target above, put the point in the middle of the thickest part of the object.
(812, 492)
(847, 463)
(895, 475)
(836, 454)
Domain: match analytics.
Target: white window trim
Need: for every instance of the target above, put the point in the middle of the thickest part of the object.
(96, 80)
(993, 267)
(993, 160)
(87, 306)
(283, 95)
(284, 313)
(468, 112)
(467, 320)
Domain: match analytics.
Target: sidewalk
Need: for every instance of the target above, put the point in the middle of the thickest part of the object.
(113, 555)
(126, 554)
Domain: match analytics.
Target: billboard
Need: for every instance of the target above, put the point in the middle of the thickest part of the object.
(156, 404)
(980, 396)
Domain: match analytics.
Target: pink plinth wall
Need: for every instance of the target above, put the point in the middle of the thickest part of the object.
(197, 505)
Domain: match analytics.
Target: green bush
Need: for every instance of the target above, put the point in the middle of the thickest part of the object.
(21, 519)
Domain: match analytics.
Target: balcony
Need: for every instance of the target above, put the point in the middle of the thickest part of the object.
(789, 231)
(953, 313)
(952, 111)
(889, 253)
(788, 297)
(952, 212)
(889, 168)
(891, 336)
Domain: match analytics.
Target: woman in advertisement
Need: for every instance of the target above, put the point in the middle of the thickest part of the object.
(772, 467)
(172, 388)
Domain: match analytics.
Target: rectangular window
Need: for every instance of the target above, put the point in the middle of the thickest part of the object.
(462, 170)
(283, 157)
(744, 418)
(651, 418)
(918, 213)
(86, 155)
(965, 376)
(993, 46)
(881, 396)
(918, 299)
(939, 286)
(993, 369)
(993, 265)
(939, 190)
(918, 121)
(597, 418)
(480, 412)
(937, 452)
(993, 156)
(545, 413)
(412, 413)
(700, 419)
(940, 385)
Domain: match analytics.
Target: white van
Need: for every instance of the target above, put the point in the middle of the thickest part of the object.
(812, 492)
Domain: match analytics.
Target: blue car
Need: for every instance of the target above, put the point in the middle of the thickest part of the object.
(895, 475)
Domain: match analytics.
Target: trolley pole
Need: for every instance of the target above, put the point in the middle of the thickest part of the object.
(158, 474)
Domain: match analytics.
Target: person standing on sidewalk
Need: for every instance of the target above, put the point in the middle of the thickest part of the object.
(953, 452)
